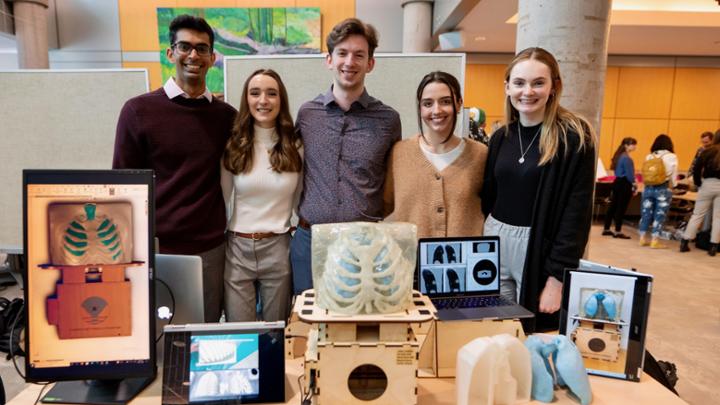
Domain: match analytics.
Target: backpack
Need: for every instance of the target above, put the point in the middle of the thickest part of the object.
(12, 319)
(653, 171)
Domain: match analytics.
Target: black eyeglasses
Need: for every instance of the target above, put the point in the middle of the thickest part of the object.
(186, 48)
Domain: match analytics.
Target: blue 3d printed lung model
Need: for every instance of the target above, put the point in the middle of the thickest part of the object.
(91, 244)
(599, 333)
(565, 370)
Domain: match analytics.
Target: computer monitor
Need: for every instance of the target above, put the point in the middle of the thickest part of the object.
(88, 242)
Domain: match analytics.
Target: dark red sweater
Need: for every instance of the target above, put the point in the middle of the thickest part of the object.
(182, 140)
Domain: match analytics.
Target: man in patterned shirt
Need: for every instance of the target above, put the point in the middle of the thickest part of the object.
(347, 136)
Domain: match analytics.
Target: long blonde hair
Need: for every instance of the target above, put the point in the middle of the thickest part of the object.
(557, 120)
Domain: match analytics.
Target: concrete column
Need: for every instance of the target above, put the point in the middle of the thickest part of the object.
(31, 33)
(576, 33)
(417, 25)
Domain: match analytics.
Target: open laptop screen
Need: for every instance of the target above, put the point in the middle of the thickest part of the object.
(463, 266)
(228, 363)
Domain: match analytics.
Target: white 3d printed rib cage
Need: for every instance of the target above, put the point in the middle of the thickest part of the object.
(363, 267)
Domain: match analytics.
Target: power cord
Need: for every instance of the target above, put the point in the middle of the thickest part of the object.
(10, 349)
(44, 385)
(303, 394)
(172, 311)
(14, 360)
(308, 400)
(305, 397)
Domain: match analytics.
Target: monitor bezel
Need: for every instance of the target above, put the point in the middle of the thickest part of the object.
(93, 372)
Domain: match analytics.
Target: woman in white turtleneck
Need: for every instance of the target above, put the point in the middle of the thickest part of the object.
(261, 181)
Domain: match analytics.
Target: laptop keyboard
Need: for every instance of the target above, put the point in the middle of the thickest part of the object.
(471, 302)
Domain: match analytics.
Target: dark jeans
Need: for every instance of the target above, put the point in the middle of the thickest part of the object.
(300, 260)
(621, 194)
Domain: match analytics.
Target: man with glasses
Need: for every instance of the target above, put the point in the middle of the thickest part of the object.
(180, 131)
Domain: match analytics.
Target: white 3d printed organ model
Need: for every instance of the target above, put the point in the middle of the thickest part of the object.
(364, 267)
(493, 370)
(216, 352)
(208, 385)
(220, 384)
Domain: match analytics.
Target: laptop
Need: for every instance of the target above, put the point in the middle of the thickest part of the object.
(178, 290)
(461, 276)
(224, 363)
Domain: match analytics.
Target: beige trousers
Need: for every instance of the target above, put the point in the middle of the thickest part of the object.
(263, 264)
(708, 197)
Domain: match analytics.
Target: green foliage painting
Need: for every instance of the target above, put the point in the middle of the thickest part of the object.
(247, 31)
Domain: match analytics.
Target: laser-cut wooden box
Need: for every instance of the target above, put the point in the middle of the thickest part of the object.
(362, 359)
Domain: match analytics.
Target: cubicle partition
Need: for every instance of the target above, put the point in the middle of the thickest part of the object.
(56, 119)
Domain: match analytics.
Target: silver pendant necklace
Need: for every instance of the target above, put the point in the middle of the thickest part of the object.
(522, 154)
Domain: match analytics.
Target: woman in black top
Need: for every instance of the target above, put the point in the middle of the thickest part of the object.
(538, 185)
(706, 175)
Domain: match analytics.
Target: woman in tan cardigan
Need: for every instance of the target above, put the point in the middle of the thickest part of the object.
(434, 178)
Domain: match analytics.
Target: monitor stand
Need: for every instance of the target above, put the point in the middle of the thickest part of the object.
(101, 392)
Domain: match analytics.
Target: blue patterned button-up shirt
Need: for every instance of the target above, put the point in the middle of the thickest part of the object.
(346, 156)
